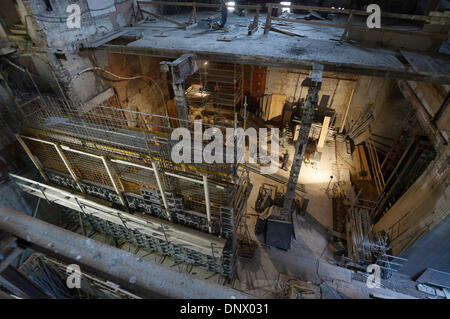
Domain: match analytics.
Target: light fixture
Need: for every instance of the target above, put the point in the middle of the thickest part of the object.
(285, 9)
(230, 5)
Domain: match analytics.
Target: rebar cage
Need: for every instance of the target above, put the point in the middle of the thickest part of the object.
(124, 157)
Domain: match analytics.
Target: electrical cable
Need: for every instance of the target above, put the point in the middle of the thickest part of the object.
(122, 78)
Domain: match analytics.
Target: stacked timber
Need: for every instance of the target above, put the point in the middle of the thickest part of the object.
(361, 164)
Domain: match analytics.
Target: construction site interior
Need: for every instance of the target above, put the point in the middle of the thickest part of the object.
(88, 115)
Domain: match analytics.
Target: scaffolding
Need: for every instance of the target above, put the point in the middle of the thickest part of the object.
(124, 157)
(216, 85)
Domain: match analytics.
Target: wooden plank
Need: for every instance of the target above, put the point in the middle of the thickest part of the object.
(374, 168)
(286, 32)
(357, 162)
(322, 24)
(98, 99)
(361, 28)
(344, 119)
(324, 131)
(164, 18)
(276, 105)
(347, 28)
(364, 163)
(268, 19)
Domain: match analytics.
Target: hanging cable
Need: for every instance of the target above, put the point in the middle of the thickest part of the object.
(122, 78)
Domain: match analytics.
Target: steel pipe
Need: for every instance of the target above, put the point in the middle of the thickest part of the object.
(138, 275)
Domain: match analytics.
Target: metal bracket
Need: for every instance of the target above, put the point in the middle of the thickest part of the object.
(180, 69)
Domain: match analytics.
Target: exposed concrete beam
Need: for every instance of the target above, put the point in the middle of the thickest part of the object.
(141, 276)
(348, 68)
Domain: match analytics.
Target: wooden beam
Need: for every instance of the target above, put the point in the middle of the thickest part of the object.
(324, 131)
(363, 28)
(364, 163)
(164, 18)
(344, 119)
(347, 28)
(268, 19)
(286, 32)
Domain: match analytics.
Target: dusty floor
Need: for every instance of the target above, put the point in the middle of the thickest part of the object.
(310, 258)
(318, 43)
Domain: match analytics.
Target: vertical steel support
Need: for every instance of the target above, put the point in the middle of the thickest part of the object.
(180, 69)
(208, 203)
(111, 177)
(161, 189)
(309, 107)
(30, 155)
(68, 166)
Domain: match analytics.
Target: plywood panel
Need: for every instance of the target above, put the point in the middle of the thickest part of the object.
(276, 105)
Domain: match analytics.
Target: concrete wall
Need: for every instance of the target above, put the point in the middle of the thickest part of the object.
(288, 82)
(427, 202)
(378, 94)
(383, 98)
(431, 251)
(149, 94)
(432, 97)
(53, 24)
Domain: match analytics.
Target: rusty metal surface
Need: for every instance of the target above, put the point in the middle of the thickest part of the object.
(138, 275)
